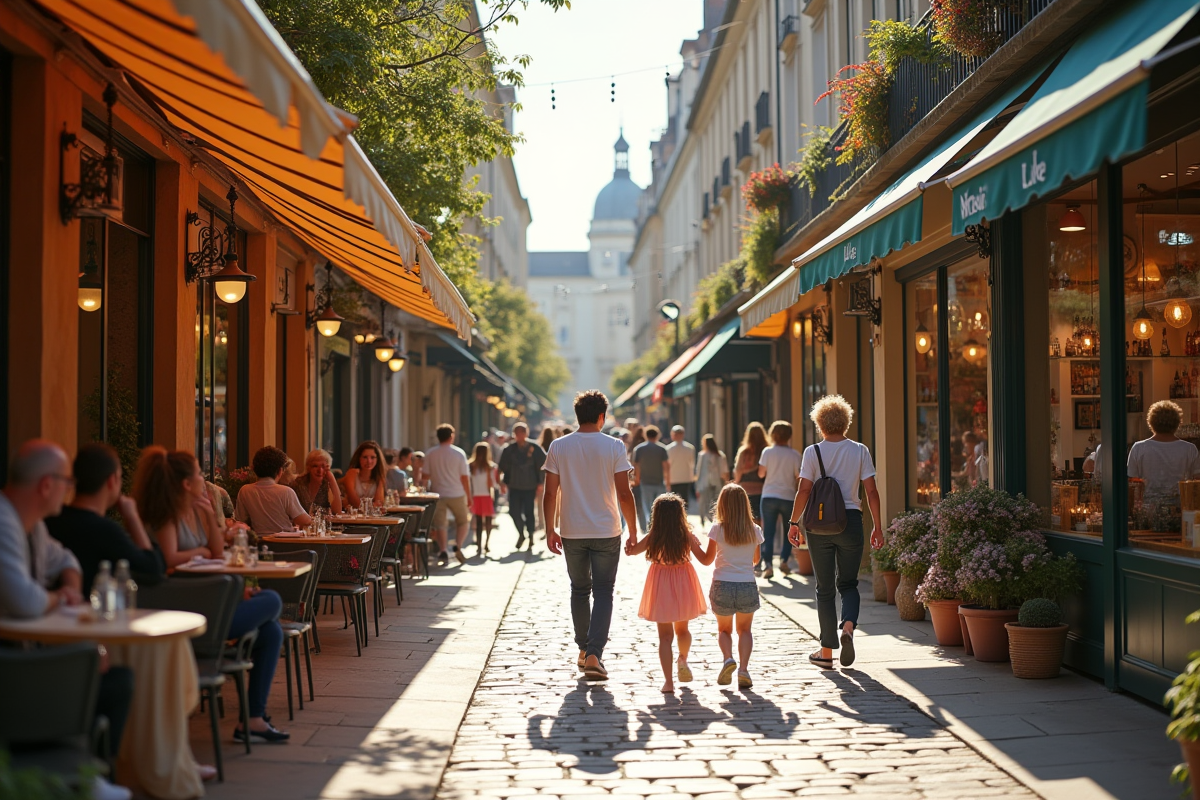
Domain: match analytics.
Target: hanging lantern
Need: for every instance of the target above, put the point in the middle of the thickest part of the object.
(924, 339)
(1143, 325)
(1177, 312)
(973, 351)
(396, 363)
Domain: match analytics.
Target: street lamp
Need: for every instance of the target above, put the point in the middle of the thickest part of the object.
(671, 313)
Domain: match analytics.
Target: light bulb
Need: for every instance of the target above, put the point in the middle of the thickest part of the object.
(396, 364)
(384, 354)
(328, 327)
(1143, 326)
(924, 340)
(90, 299)
(1177, 312)
(973, 351)
(797, 329)
(359, 338)
(231, 291)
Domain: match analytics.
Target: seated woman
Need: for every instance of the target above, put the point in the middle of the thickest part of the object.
(269, 506)
(317, 487)
(173, 501)
(367, 475)
(1163, 460)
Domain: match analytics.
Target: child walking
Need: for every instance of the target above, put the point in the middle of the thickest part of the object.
(672, 595)
(483, 481)
(735, 542)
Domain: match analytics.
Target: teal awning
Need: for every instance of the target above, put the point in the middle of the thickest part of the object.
(1091, 109)
(723, 354)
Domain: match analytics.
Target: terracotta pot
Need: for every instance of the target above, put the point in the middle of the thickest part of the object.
(989, 639)
(906, 599)
(803, 561)
(1191, 754)
(966, 634)
(878, 585)
(1036, 652)
(946, 628)
(892, 580)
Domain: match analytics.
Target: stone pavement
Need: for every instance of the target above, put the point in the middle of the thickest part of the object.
(1067, 738)
(535, 728)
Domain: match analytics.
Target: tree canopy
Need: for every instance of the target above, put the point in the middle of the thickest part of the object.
(417, 74)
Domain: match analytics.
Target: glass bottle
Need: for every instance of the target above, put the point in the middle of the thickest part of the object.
(125, 587)
(103, 592)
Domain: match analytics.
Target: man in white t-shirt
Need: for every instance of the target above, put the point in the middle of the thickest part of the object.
(588, 471)
(269, 506)
(681, 457)
(779, 467)
(450, 476)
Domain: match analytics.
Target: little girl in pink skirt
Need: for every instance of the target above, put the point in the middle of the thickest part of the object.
(672, 595)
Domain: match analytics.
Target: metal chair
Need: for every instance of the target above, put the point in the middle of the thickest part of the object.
(419, 543)
(343, 574)
(397, 541)
(297, 595)
(216, 597)
(49, 720)
(379, 540)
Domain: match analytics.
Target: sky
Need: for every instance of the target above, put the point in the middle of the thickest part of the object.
(567, 157)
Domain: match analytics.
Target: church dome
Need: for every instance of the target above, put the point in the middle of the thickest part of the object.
(619, 199)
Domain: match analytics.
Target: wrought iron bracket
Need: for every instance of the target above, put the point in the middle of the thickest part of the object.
(981, 235)
(822, 319)
(96, 175)
(212, 244)
(863, 302)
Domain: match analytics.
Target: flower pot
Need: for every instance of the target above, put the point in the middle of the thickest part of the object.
(803, 561)
(985, 626)
(1036, 652)
(946, 628)
(906, 599)
(878, 584)
(892, 580)
(1191, 754)
(966, 634)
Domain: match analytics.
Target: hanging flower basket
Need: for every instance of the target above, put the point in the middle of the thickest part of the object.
(973, 28)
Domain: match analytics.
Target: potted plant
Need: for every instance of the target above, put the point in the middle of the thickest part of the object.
(885, 560)
(878, 584)
(1036, 640)
(1183, 699)
(803, 560)
(917, 545)
(939, 592)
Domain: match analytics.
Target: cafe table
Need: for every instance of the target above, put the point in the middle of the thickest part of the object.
(404, 509)
(156, 754)
(356, 522)
(263, 569)
(330, 538)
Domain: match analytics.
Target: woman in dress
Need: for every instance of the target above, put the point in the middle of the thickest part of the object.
(712, 472)
(173, 501)
(745, 466)
(367, 475)
(316, 487)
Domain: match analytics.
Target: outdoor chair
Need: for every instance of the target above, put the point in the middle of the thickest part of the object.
(393, 554)
(379, 540)
(419, 543)
(49, 720)
(216, 597)
(343, 575)
(297, 594)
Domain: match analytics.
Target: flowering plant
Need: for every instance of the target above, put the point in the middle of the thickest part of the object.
(937, 585)
(911, 544)
(863, 106)
(999, 575)
(973, 28)
(233, 480)
(767, 189)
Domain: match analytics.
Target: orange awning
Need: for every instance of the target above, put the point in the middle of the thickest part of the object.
(217, 70)
(654, 389)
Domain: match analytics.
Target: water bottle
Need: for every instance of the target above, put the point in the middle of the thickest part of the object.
(240, 544)
(124, 588)
(103, 597)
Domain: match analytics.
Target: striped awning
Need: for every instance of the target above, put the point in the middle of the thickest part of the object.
(218, 71)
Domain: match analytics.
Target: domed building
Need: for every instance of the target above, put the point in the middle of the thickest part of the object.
(588, 296)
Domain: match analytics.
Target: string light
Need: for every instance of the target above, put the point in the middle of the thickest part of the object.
(552, 99)
(613, 90)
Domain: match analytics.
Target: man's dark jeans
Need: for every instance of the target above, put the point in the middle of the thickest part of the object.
(520, 508)
(592, 566)
(836, 560)
(776, 513)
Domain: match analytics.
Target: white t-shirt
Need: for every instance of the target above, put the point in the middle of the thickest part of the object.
(1163, 465)
(585, 464)
(267, 506)
(446, 466)
(734, 562)
(479, 483)
(783, 471)
(848, 461)
(682, 459)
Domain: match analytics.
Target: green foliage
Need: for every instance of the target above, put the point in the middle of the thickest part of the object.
(1039, 613)
(715, 290)
(522, 343)
(815, 157)
(970, 27)
(885, 559)
(891, 40)
(910, 544)
(124, 427)
(767, 189)
(1183, 698)
(760, 239)
(36, 784)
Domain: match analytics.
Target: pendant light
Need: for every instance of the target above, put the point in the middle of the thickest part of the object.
(1143, 325)
(230, 282)
(973, 351)
(328, 322)
(91, 288)
(384, 347)
(1177, 312)
(1072, 221)
(396, 363)
(924, 340)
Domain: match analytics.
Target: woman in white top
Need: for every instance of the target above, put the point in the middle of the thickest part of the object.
(483, 483)
(367, 475)
(837, 557)
(1163, 460)
(712, 472)
(779, 467)
(734, 541)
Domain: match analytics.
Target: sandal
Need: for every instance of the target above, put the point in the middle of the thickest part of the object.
(816, 659)
(684, 671)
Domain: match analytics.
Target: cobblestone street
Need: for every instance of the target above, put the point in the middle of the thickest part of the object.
(534, 727)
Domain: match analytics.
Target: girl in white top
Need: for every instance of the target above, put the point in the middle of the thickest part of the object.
(735, 542)
(483, 481)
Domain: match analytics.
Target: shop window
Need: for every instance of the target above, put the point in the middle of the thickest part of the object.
(812, 372)
(948, 345)
(1162, 342)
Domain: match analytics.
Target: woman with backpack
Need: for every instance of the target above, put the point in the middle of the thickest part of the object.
(828, 507)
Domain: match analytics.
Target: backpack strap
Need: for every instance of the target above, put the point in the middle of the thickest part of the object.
(820, 461)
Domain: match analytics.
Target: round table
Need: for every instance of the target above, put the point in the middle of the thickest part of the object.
(140, 625)
(263, 569)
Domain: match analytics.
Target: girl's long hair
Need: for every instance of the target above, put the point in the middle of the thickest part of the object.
(669, 537)
(755, 438)
(380, 471)
(481, 460)
(709, 443)
(733, 512)
(547, 437)
(158, 485)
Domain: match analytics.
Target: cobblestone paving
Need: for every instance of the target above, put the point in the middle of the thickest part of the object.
(535, 728)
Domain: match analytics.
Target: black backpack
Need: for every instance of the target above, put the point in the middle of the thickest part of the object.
(826, 509)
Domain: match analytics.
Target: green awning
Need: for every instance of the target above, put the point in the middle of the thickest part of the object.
(1090, 110)
(900, 226)
(723, 354)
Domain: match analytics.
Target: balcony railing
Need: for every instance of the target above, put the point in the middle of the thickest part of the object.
(916, 90)
(762, 113)
(788, 26)
(725, 171)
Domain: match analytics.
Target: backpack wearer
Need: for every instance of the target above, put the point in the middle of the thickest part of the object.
(826, 509)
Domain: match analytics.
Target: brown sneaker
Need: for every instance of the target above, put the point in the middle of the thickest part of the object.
(459, 555)
(593, 670)
(784, 568)
(582, 658)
